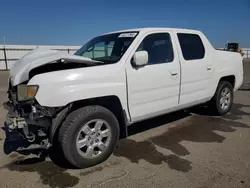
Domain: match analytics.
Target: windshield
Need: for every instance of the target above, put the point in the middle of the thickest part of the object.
(107, 48)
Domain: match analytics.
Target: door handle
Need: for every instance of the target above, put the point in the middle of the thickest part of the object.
(174, 73)
(209, 68)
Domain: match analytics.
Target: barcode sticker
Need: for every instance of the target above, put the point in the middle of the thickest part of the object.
(127, 35)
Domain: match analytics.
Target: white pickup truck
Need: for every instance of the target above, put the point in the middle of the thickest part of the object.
(80, 105)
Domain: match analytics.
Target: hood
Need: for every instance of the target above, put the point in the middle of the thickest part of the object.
(19, 72)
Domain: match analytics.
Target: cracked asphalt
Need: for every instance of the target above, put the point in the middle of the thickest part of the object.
(181, 149)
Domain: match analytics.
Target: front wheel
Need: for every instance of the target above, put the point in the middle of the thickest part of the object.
(222, 101)
(88, 136)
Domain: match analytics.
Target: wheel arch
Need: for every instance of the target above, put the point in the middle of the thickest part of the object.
(229, 78)
(111, 102)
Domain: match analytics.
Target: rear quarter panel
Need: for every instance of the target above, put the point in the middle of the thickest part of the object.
(229, 63)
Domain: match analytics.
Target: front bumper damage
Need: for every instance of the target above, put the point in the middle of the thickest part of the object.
(20, 137)
(30, 127)
(13, 141)
(31, 132)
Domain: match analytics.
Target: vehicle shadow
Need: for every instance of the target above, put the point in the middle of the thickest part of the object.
(195, 129)
(236, 112)
(156, 122)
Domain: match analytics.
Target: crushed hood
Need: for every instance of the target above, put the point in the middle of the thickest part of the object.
(19, 72)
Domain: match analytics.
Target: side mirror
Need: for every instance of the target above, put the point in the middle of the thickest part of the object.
(140, 58)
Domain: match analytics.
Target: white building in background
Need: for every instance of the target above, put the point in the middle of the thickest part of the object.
(11, 53)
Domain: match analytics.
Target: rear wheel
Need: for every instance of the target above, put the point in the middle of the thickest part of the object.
(88, 136)
(222, 101)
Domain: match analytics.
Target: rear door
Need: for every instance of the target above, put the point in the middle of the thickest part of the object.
(154, 89)
(196, 68)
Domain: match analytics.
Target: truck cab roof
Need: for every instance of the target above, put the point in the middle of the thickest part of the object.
(151, 29)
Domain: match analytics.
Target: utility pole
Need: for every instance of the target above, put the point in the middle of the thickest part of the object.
(4, 52)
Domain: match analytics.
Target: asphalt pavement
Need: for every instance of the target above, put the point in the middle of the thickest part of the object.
(190, 150)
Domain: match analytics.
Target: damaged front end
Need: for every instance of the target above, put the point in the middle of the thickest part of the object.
(29, 127)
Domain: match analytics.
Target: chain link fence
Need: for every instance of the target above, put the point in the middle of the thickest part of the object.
(246, 52)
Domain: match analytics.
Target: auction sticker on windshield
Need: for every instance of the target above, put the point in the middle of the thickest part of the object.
(127, 35)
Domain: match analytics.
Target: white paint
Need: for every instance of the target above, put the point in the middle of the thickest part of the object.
(196, 79)
(153, 88)
(140, 58)
(145, 91)
(40, 56)
(15, 52)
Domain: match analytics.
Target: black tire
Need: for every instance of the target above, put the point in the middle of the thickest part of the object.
(214, 105)
(57, 156)
(71, 126)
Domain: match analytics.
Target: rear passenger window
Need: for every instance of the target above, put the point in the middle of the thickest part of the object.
(191, 46)
(159, 48)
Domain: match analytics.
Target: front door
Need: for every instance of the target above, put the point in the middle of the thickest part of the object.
(154, 89)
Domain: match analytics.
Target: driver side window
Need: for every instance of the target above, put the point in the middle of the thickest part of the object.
(159, 48)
